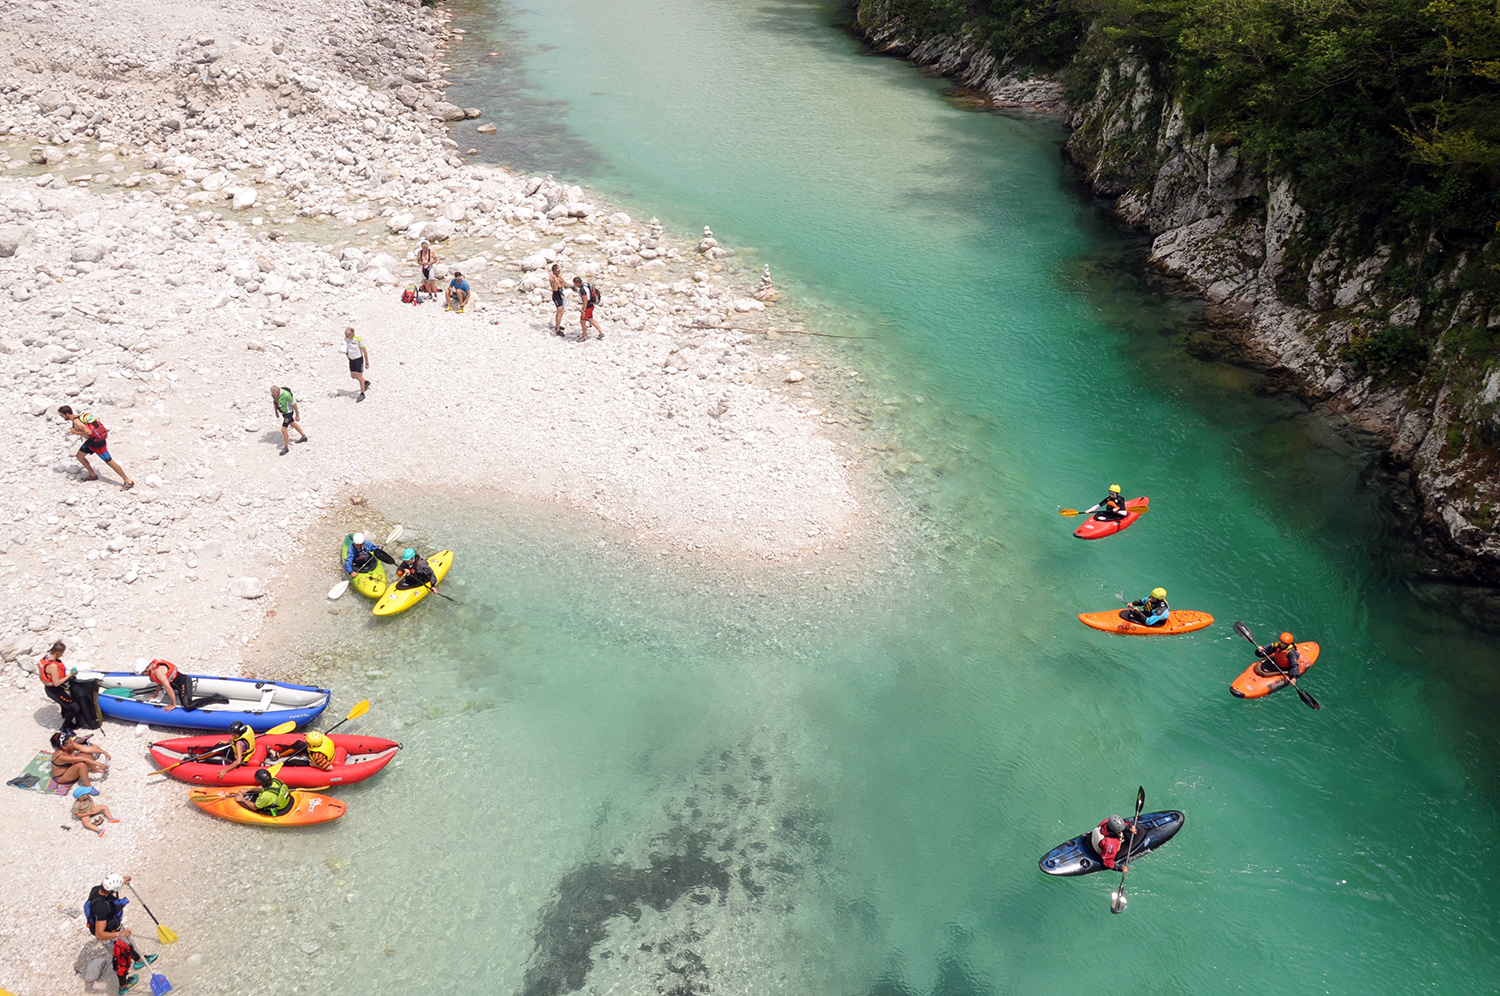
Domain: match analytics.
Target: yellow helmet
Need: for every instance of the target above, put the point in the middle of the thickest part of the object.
(1114, 489)
(315, 740)
(1158, 593)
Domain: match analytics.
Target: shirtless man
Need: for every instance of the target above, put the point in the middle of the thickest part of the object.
(426, 259)
(93, 444)
(559, 294)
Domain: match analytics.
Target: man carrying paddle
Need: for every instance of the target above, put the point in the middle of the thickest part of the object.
(103, 914)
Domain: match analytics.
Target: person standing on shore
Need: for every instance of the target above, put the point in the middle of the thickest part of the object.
(588, 296)
(57, 680)
(286, 407)
(359, 358)
(559, 297)
(426, 259)
(95, 441)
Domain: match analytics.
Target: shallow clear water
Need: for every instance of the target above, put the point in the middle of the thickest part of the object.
(627, 775)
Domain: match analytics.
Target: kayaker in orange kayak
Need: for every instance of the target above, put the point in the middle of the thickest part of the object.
(1149, 611)
(1111, 507)
(1284, 653)
(1107, 839)
(272, 797)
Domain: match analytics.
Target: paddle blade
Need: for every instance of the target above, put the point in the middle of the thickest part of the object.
(338, 590)
(1140, 801)
(360, 708)
(1312, 703)
(280, 728)
(383, 557)
(275, 769)
(396, 534)
(1067, 511)
(166, 934)
(1117, 900)
(159, 984)
(1243, 630)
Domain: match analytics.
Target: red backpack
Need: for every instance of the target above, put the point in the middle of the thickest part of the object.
(97, 432)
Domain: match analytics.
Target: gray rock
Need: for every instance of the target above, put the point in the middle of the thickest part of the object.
(15, 647)
(50, 100)
(38, 623)
(408, 95)
(11, 237)
(89, 252)
(445, 111)
(246, 587)
(207, 549)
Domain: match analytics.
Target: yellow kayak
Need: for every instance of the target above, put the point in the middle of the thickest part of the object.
(400, 599)
(372, 582)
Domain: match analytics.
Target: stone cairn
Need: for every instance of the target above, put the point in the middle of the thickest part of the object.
(709, 246)
(765, 290)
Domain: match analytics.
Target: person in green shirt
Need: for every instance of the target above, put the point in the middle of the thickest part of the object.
(272, 797)
(286, 407)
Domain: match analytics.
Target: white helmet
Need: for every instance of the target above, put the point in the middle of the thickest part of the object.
(114, 882)
(359, 539)
(141, 664)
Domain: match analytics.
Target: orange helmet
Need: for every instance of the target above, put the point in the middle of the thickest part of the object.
(1287, 639)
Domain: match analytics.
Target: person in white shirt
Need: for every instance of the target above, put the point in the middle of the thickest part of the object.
(359, 358)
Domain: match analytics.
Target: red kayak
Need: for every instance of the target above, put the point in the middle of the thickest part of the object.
(354, 759)
(1097, 528)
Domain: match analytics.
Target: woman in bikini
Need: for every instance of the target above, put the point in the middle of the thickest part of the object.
(75, 762)
(559, 293)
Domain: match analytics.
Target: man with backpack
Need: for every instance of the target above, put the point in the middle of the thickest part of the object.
(95, 441)
(588, 296)
(286, 407)
(103, 912)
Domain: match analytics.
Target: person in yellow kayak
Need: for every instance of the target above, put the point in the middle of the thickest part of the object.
(319, 750)
(271, 797)
(241, 747)
(1284, 653)
(361, 555)
(1149, 611)
(1112, 507)
(414, 572)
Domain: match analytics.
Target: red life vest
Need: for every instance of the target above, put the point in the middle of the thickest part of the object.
(52, 671)
(1107, 846)
(171, 670)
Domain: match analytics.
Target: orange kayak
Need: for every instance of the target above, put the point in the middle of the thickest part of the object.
(307, 808)
(1253, 685)
(1178, 621)
(1098, 525)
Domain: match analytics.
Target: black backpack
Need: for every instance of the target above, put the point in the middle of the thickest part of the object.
(594, 296)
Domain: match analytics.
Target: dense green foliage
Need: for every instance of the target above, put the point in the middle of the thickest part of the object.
(1386, 113)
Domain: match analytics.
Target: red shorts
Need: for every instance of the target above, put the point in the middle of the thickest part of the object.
(588, 312)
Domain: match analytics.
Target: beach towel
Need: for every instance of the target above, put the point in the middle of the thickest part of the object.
(37, 776)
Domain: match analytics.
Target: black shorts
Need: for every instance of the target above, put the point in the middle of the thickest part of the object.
(426, 273)
(557, 298)
(287, 418)
(357, 365)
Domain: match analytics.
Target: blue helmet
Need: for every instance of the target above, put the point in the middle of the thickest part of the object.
(408, 554)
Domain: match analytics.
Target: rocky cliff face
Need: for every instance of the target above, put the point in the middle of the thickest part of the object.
(1321, 313)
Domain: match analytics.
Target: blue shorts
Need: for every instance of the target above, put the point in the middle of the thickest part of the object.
(88, 449)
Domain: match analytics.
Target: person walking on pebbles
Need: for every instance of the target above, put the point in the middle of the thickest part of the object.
(588, 296)
(559, 296)
(359, 358)
(95, 441)
(286, 407)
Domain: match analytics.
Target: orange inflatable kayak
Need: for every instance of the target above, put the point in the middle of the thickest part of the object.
(1178, 621)
(307, 808)
(1253, 685)
(1098, 525)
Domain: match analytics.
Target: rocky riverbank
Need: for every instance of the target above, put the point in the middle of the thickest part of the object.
(1338, 322)
(194, 202)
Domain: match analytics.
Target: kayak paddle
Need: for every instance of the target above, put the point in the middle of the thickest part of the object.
(164, 934)
(394, 536)
(383, 557)
(1143, 509)
(360, 708)
(338, 590)
(274, 731)
(1244, 631)
(1117, 900)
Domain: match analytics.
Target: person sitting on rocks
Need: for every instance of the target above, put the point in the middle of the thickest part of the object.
(91, 813)
(414, 572)
(457, 294)
(76, 762)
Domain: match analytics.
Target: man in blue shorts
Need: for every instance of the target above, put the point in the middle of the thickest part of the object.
(95, 441)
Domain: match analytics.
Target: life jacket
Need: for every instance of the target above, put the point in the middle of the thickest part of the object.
(97, 432)
(248, 739)
(322, 757)
(1105, 844)
(95, 906)
(171, 670)
(275, 798)
(58, 671)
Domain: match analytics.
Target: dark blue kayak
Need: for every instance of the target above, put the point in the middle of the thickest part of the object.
(1078, 857)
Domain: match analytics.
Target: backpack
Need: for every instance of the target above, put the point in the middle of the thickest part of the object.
(594, 296)
(97, 432)
(409, 296)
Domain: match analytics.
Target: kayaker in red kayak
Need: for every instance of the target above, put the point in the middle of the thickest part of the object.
(1149, 611)
(1112, 507)
(318, 748)
(241, 747)
(1284, 653)
(1107, 839)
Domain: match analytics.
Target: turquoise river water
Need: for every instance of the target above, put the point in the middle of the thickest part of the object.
(624, 774)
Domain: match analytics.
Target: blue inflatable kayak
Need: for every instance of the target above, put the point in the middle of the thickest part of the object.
(260, 705)
(1078, 857)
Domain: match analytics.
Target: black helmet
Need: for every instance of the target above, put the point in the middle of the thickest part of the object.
(263, 778)
(1116, 824)
(237, 727)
